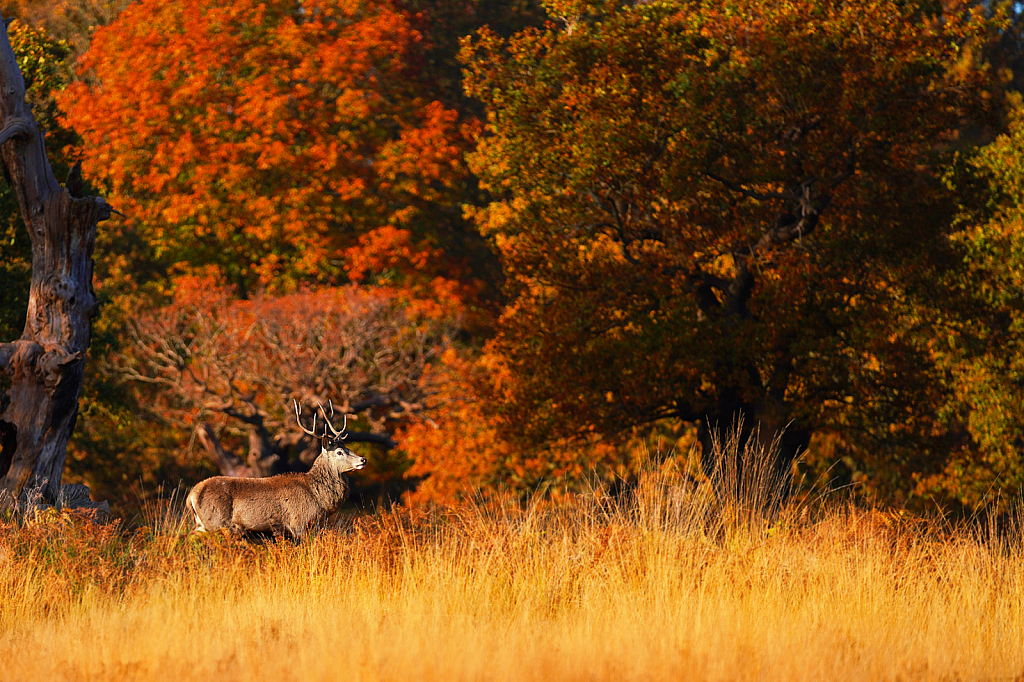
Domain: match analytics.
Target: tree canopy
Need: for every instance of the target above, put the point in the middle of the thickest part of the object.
(708, 210)
(261, 138)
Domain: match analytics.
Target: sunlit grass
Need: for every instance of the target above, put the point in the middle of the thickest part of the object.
(674, 582)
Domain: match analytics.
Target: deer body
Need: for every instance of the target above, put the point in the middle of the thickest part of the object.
(286, 503)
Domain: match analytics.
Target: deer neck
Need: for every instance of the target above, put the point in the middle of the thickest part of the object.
(327, 483)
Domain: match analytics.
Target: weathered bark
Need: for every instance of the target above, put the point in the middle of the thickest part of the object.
(45, 367)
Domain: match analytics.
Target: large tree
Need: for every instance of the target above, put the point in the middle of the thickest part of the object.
(262, 138)
(723, 210)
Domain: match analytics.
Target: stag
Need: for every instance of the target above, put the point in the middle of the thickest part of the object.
(284, 504)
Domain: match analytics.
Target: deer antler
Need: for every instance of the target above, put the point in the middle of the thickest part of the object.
(327, 419)
(298, 419)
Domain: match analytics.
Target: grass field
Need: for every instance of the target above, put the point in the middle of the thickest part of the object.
(675, 582)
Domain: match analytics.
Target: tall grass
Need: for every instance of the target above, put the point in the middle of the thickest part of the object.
(676, 580)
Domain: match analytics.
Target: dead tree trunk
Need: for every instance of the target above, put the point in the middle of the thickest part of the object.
(41, 373)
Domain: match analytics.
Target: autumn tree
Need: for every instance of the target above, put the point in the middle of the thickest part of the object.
(262, 138)
(715, 210)
(978, 337)
(285, 145)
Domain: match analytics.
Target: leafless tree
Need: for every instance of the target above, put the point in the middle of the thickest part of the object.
(226, 367)
(41, 373)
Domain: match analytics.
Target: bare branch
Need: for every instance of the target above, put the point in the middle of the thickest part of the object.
(228, 463)
(759, 196)
(356, 346)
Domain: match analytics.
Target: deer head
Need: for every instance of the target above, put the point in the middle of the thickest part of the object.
(331, 446)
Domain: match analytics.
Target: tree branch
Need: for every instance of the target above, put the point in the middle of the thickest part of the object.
(791, 228)
(228, 463)
(382, 439)
(759, 196)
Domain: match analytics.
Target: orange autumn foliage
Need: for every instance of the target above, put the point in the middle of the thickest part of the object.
(460, 447)
(457, 451)
(727, 211)
(262, 137)
(417, 272)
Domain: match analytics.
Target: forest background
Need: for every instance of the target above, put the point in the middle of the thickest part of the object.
(531, 244)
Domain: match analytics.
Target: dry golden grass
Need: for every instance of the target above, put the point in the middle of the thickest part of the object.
(674, 583)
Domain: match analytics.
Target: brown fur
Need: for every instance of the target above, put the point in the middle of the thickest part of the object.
(287, 503)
